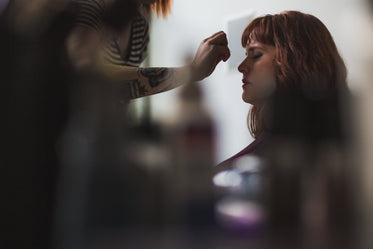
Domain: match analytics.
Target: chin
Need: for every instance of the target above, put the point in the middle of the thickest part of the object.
(246, 99)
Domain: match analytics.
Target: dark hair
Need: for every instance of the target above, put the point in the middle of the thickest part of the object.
(122, 11)
(306, 56)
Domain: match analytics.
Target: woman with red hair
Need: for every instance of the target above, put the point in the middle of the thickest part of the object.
(293, 77)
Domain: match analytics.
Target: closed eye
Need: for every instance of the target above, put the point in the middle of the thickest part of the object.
(257, 56)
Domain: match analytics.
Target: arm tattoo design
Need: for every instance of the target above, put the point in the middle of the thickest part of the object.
(131, 89)
(155, 76)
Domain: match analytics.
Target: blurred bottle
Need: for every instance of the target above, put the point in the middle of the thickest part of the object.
(192, 139)
(146, 149)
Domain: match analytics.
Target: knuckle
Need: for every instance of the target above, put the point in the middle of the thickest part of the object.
(211, 43)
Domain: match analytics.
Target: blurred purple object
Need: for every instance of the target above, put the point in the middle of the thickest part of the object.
(239, 215)
(3, 4)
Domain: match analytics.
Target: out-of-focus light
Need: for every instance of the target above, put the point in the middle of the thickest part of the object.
(227, 179)
(239, 214)
(150, 156)
(3, 4)
(250, 164)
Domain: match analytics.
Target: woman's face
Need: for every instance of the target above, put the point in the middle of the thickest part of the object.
(257, 70)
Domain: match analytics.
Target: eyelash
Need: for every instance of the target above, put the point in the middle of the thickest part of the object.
(256, 56)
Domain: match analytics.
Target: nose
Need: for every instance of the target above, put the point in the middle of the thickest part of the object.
(244, 66)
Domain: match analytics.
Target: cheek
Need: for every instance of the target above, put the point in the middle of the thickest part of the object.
(266, 84)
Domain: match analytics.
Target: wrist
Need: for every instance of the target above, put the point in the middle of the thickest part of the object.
(194, 73)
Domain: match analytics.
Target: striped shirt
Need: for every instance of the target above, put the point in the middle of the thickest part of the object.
(91, 14)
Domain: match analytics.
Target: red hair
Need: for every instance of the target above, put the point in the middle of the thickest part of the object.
(306, 56)
(160, 7)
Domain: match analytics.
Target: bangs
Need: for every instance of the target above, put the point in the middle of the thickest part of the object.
(260, 30)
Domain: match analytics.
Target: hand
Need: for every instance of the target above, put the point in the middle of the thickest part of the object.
(211, 51)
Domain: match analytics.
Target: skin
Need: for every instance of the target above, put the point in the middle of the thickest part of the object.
(84, 46)
(139, 82)
(258, 76)
(134, 82)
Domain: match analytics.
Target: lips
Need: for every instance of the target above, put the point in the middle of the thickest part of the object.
(245, 82)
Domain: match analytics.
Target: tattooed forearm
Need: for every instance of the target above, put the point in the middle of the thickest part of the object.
(132, 89)
(148, 81)
(156, 76)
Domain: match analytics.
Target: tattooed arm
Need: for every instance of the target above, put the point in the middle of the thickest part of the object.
(155, 80)
(138, 82)
(87, 47)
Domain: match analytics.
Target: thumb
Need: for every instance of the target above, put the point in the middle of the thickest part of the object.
(227, 54)
(223, 53)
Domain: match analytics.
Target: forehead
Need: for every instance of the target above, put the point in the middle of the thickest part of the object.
(253, 44)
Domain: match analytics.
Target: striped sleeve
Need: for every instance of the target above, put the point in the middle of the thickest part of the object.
(137, 49)
(139, 41)
(90, 13)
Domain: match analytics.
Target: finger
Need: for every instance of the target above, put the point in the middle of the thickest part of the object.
(217, 34)
(220, 39)
(226, 55)
(222, 53)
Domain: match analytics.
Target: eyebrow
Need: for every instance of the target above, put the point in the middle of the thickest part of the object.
(252, 48)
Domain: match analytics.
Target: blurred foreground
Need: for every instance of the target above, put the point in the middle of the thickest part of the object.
(78, 174)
